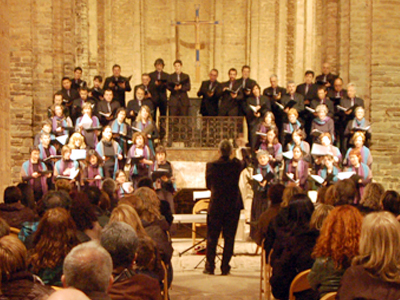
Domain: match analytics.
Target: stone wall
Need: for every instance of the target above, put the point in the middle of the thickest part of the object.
(48, 38)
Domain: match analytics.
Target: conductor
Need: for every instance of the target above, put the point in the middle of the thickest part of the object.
(222, 178)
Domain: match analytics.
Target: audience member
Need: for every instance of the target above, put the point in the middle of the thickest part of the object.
(275, 194)
(375, 272)
(13, 211)
(121, 241)
(4, 228)
(319, 215)
(371, 199)
(390, 201)
(16, 281)
(345, 192)
(292, 249)
(68, 294)
(88, 268)
(97, 200)
(28, 197)
(336, 246)
(54, 238)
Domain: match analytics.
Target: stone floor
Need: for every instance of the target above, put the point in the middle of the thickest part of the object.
(191, 284)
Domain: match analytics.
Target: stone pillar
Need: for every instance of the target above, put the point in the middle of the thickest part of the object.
(5, 153)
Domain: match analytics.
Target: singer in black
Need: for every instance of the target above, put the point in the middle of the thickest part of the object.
(211, 92)
(222, 178)
(179, 85)
(118, 84)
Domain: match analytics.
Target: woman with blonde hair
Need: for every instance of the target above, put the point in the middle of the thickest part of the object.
(375, 272)
(335, 248)
(319, 215)
(77, 141)
(358, 140)
(144, 122)
(127, 214)
(322, 123)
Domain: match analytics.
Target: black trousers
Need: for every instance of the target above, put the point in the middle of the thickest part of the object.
(226, 223)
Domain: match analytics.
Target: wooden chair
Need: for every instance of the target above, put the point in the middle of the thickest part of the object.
(329, 296)
(164, 292)
(14, 231)
(56, 288)
(265, 275)
(299, 284)
(200, 206)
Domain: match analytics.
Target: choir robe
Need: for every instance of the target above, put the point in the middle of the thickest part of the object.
(299, 106)
(209, 104)
(324, 174)
(247, 86)
(275, 151)
(327, 102)
(260, 201)
(118, 92)
(62, 165)
(358, 125)
(365, 155)
(262, 128)
(90, 172)
(61, 122)
(154, 133)
(111, 170)
(76, 84)
(365, 174)
(179, 100)
(91, 139)
(230, 106)
(97, 95)
(300, 173)
(138, 169)
(252, 120)
(161, 90)
(27, 170)
(43, 155)
(77, 108)
(305, 149)
(102, 107)
(122, 133)
(135, 105)
(68, 98)
(326, 125)
(287, 131)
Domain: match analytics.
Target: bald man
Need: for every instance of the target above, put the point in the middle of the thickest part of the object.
(68, 294)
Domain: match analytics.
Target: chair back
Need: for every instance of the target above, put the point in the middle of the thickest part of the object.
(329, 296)
(14, 231)
(300, 283)
(201, 205)
(165, 282)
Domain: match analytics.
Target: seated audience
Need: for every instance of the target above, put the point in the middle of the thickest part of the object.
(68, 294)
(375, 272)
(100, 203)
(88, 268)
(292, 249)
(275, 194)
(319, 215)
(54, 238)
(345, 192)
(371, 199)
(121, 241)
(390, 201)
(336, 246)
(16, 281)
(12, 211)
(4, 228)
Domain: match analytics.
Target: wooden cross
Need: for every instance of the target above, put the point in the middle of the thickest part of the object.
(196, 24)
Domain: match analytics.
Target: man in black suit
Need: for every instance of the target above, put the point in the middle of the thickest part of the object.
(78, 103)
(292, 95)
(247, 86)
(323, 99)
(232, 95)
(135, 104)
(68, 94)
(336, 95)
(96, 93)
(77, 82)
(159, 78)
(150, 92)
(222, 178)
(107, 108)
(179, 85)
(326, 78)
(274, 94)
(210, 90)
(309, 91)
(118, 84)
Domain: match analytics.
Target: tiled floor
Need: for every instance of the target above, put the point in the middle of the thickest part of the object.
(192, 284)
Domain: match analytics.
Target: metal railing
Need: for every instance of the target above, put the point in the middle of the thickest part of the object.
(200, 132)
